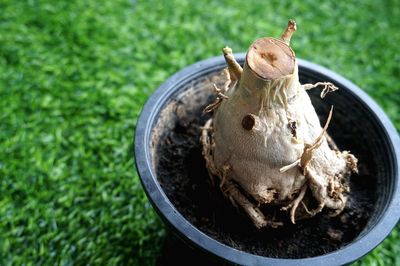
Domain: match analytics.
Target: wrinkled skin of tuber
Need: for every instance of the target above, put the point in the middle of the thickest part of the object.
(264, 143)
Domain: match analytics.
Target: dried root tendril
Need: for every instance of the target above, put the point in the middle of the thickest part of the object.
(328, 87)
(206, 142)
(308, 149)
(295, 203)
(220, 94)
(224, 175)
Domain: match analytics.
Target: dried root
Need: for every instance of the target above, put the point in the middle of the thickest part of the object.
(207, 145)
(220, 94)
(328, 87)
(308, 149)
(295, 203)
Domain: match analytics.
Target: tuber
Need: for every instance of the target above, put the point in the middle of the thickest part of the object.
(264, 143)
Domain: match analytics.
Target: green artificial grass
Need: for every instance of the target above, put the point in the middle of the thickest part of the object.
(75, 74)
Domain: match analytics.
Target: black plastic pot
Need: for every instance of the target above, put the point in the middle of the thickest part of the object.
(380, 142)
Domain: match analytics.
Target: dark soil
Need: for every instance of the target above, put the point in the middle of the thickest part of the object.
(182, 174)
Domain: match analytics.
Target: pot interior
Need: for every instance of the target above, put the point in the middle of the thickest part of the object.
(180, 169)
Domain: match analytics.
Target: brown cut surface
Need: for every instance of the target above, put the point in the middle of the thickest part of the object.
(270, 58)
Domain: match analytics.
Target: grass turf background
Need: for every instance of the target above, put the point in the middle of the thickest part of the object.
(75, 74)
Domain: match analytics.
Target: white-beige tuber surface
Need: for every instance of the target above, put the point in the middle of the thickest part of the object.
(265, 143)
